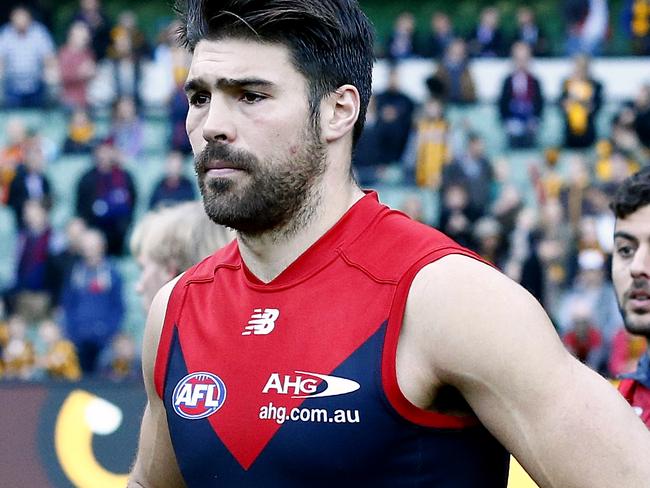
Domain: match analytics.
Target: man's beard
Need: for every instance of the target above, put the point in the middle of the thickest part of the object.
(278, 195)
(636, 323)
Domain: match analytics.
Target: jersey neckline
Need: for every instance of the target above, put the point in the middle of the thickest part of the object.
(346, 230)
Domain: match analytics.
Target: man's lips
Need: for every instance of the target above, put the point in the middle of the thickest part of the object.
(219, 168)
(639, 299)
(220, 164)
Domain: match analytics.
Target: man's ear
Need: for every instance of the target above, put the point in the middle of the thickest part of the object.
(340, 112)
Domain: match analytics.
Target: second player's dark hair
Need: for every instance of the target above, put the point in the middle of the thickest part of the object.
(633, 194)
(331, 41)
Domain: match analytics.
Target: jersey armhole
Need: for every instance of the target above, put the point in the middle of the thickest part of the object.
(172, 313)
(394, 394)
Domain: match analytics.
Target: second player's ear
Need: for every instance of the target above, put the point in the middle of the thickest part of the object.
(341, 112)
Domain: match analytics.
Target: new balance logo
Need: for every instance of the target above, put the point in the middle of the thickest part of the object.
(262, 322)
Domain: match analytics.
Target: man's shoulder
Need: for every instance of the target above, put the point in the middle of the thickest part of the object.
(445, 290)
(227, 256)
(396, 243)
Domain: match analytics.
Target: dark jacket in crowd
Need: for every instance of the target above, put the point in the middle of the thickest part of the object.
(169, 192)
(28, 186)
(107, 201)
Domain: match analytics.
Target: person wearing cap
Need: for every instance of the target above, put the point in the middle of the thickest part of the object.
(631, 276)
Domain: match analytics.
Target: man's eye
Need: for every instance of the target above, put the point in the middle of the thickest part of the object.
(251, 98)
(199, 99)
(625, 251)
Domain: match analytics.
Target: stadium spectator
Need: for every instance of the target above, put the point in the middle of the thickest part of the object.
(506, 206)
(127, 25)
(81, 134)
(90, 13)
(489, 240)
(169, 240)
(521, 102)
(127, 129)
(587, 25)
(32, 289)
(170, 59)
(431, 148)
(126, 53)
(106, 197)
(473, 171)
(368, 161)
(530, 32)
(77, 65)
(30, 182)
(395, 110)
(524, 263)
(591, 287)
(624, 139)
(636, 21)
(554, 248)
(177, 112)
(452, 80)
(456, 217)
(439, 37)
(12, 154)
(18, 354)
(581, 99)
(120, 361)
(574, 190)
(642, 115)
(487, 40)
(174, 187)
(92, 302)
(583, 339)
(402, 42)
(64, 256)
(56, 357)
(27, 59)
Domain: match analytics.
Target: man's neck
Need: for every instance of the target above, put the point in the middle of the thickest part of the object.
(269, 254)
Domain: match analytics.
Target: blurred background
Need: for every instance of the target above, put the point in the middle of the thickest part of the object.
(507, 125)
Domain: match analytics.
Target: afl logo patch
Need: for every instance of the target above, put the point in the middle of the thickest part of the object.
(198, 395)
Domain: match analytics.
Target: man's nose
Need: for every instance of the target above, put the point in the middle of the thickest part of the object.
(219, 125)
(640, 266)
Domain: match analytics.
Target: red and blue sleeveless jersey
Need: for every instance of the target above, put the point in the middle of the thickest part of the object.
(293, 383)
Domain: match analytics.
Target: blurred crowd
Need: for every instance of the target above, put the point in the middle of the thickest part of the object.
(63, 312)
(556, 239)
(587, 29)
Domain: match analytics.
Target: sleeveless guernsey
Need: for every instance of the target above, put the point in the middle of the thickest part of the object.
(293, 383)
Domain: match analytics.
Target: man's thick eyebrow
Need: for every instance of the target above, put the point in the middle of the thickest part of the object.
(226, 83)
(624, 235)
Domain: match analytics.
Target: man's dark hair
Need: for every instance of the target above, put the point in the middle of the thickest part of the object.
(331, 41)
(633, 194)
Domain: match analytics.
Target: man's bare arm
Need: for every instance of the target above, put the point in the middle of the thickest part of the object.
(155, 465)
(490, 339)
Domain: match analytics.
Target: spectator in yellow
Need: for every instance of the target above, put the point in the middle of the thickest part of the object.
(432, 139)
(59, 358)
(581, 100)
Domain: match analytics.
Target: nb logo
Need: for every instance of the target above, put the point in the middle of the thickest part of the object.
(262, 322)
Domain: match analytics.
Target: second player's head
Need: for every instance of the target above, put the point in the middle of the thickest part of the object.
(631, 260)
